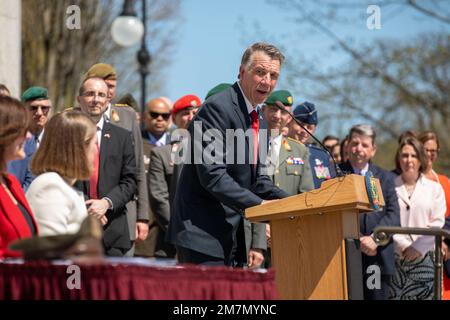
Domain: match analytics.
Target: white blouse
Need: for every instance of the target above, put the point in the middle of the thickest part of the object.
(57, 207)
(425, 209)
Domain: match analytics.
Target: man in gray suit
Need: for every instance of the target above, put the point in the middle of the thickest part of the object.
(125, 117)
(163, 174)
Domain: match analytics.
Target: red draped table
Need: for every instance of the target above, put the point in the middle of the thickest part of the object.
(132, 281)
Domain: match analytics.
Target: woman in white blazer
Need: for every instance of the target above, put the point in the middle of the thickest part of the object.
(66, 154)
(422, 205)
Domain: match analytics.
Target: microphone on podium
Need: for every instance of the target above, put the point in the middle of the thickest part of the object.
(339, 172)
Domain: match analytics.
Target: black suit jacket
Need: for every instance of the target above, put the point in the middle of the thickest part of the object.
(210, 199)
(116, 181)
(388, 216)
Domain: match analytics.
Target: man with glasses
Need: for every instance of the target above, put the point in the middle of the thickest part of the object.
(125, 117)
(38, 103)
(113, 182)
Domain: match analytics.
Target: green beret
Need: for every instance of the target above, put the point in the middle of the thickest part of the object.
(283, 96)
(35, 93)
(101, 70)
(219, 88)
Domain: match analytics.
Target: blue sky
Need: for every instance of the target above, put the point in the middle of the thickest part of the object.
(214, 35)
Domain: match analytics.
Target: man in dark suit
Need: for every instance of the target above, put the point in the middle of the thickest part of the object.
(163, 174)
(157, 121)
(206, 223)
(113, 183)
(362, 149)
(125, 117)
(255, 239)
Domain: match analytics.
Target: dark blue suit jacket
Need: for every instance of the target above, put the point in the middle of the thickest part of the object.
(21, 168)
(211, 198)
(388, 216)
(317, 154)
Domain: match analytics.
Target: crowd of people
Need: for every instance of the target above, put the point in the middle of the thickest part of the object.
(100, 158)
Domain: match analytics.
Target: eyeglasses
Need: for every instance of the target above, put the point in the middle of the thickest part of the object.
(432, 151)
(155, 115)
(44, 109)
(92, 94)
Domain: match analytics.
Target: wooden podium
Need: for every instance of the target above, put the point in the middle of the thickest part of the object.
(308, 237)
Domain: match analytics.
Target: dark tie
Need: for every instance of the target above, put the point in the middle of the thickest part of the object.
(255, 128)
(93, 181)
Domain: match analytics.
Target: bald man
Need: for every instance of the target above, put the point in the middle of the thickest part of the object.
(156, 120)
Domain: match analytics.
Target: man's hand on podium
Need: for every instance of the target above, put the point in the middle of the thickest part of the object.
(368, 246)
(255, 258)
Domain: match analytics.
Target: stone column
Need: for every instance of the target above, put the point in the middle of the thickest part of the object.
(10, 45)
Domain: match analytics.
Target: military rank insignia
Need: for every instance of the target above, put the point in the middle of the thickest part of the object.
(295, 161)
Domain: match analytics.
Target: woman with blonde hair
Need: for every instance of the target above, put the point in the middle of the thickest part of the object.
(66, 154)
(16, 218)
(422, 205)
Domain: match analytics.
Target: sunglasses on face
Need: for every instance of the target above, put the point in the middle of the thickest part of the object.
(155, 115)
(44, 109)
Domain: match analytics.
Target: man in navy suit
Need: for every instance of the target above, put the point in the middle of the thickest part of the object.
(362, 149)
(206, 223)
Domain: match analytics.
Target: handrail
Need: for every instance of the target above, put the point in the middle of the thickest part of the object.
(382, 236)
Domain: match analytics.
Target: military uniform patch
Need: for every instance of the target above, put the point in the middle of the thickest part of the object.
(321, 171)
